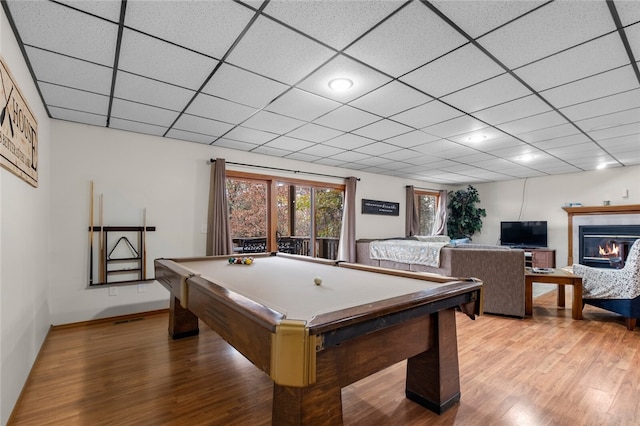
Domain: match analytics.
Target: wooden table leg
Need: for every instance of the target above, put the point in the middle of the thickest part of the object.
(528, 295)
(433, 378)
(561, 294)
(576, 307)
(182, 322)
(317, 404)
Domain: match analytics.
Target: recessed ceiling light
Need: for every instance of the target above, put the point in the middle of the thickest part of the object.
(526, 157)
(340, 84)
(601, 166)
(477, 138)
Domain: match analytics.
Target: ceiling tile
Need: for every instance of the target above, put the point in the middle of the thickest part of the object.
(549, 133)
(212, 26)
(81, 36)
(222, 110)
(70, 72)
(503, 88)
(513, 110)
(348, 141)
(147, 56)
(582, 61)
(289, 144)
(237, 85)
(407, 40)
(143, 113)
(74, 99)
(365, 79)
(479, 17)
(302, 105)
(534, 122)
(351, 156)
(609, 83)
(302, 157)
(336, 23)
(628, 10)
(427, 114)
(602, 106)
(143, 90)
(314, 133)
(390, 99)
(252, 136)
(183, 135)
(277, 52)
(274, 152)
(616, 131)
(270, 122)
(322, 150)
(78, 116)
(410, 139)
(202, 125)
(455, 126)
(454, 71)
(346, 118)
(105, 9)
(330, 162)
(234, 144)
(376, 148)
(547, 30)
(136, 127)
(609, 121)
(382, 129)
(574, 139)
(438, 148)
(400, 155)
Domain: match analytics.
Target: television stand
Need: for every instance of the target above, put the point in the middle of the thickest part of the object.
(539, 258)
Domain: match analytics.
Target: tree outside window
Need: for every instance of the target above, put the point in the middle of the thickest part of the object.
(307, 215)
(427, 203)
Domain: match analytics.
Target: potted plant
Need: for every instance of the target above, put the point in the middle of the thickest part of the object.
(464, 217)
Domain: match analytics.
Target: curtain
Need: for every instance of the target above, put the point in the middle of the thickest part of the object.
(411, 224)
(218, 229)
(347, 243)
(440, 221)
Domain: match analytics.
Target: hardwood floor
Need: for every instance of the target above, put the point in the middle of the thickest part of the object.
(544, 370)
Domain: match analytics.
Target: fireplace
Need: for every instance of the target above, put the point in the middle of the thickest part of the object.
(606, 246)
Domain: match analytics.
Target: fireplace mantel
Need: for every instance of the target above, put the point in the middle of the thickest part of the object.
(594, 210)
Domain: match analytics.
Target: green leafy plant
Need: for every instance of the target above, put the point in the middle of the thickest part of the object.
(464, 218)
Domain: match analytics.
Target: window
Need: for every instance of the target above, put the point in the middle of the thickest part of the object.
(427, 202)
(269, 213)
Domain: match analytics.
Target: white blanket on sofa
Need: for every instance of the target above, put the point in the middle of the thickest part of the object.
(408, 251)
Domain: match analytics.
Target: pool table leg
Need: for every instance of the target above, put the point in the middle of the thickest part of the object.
(433, 378)
(318, 404)
(182, 323)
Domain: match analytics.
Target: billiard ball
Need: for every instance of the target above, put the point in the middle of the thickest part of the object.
(317, 280)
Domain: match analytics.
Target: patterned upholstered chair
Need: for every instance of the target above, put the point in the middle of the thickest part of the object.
(616, 290)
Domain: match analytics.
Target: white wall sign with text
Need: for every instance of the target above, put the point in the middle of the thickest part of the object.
(18, 130)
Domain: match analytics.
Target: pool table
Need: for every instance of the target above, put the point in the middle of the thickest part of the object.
(313, 337)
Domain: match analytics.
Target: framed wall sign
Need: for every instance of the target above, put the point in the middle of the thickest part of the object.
(386, 208)
(18, 130)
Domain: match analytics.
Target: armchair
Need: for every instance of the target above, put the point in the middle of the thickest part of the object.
(616, 290)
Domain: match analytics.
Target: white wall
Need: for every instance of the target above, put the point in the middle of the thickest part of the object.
(542, 198)
(24, 247)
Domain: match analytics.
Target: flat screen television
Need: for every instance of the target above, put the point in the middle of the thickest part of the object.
(524, 234)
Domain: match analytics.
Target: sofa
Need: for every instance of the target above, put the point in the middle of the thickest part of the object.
(501, 270)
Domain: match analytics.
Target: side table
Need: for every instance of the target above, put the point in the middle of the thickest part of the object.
(557, 276)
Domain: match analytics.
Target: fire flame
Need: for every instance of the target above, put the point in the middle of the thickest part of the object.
(613, 250)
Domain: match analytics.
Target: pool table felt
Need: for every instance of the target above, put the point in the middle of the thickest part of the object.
(287, 285)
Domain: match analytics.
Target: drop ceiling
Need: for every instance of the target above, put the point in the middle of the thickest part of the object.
(451, 92)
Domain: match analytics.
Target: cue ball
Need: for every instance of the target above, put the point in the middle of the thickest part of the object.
(317, 280)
